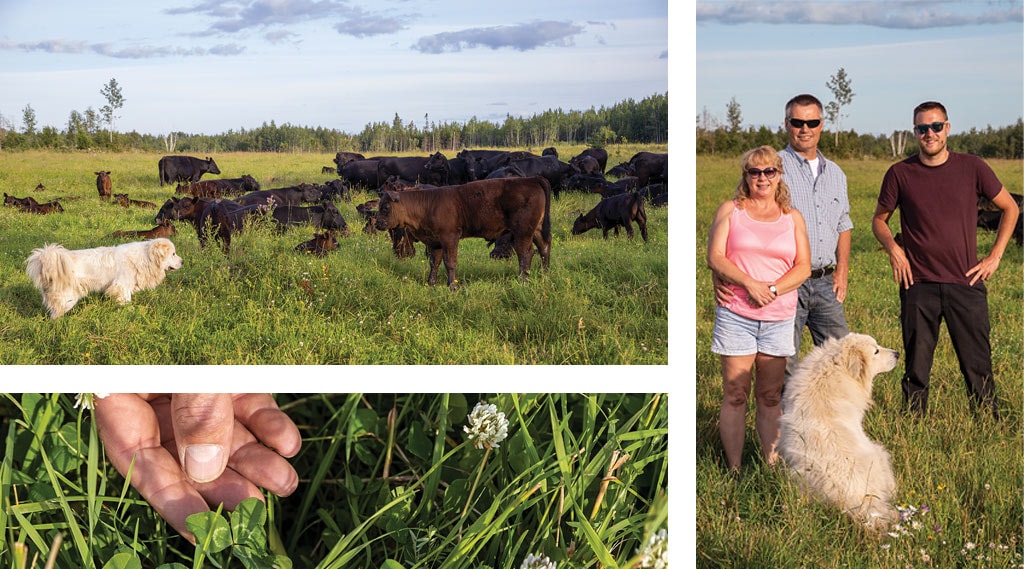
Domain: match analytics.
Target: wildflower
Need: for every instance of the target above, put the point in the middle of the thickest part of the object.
(969, 545)
(655, 553)
(924, 556)
(487, 427)
(88, 400)
(538, 562)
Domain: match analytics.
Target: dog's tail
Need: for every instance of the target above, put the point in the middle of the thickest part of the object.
(49, 266)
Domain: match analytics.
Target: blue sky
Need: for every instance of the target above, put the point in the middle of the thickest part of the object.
(209, 66)
(969, 55)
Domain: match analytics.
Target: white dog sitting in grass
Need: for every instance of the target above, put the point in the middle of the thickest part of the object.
(822, 440)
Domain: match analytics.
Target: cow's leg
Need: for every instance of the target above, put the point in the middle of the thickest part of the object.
(435, 261)
(629, 229)
(544, 248)
(524, 252)
(451, 259)
(641, 221)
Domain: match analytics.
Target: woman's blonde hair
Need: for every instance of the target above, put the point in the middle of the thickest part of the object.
(762, 155)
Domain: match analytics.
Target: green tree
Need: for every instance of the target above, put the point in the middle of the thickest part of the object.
(733, 115)
(839, 84)
(28, 118)
(112, 92)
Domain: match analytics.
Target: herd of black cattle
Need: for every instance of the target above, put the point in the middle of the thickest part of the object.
(501, 196)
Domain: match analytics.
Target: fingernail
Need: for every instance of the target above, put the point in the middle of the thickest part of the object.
(204, 463)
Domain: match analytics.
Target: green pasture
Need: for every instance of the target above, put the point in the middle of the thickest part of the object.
(602, 302)
(961, 473)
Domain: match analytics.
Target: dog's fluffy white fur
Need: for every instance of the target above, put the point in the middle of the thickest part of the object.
(66, 276)
(822, 440)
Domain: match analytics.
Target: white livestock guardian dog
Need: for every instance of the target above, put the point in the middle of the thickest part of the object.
(64, 277)
(822, 440)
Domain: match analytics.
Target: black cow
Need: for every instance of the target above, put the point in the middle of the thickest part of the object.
(292, 195)
(319, 245)
(620, 170)
(412, 169)
(600, 155)
(655, 194)
(457, 169)
(360, 173)
(613, 212)
(620, 186)
(343, 158)
(585, 165)
(586, 183)
(225, 218)
(650, 167)
(551, 168)
(188, 209)
(989, 216)
(335, 189)
(324, 216)
(185, 169)
(480, 163)
(489, 209)
(550, 151)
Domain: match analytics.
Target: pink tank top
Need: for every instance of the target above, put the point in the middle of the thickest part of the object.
(765, 250)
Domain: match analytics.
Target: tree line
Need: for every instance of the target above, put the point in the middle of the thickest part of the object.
(643, 121)
(1002, 142)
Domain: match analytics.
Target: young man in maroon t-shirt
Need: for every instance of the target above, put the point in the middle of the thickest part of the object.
(937, 265)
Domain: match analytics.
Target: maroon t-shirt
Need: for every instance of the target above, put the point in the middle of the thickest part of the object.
(939, 213)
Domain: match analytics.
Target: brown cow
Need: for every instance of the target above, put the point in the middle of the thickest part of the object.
(440, 217)
(611, 213)
(319, 245)
(164, 229)
(103, 184)
(124, 201)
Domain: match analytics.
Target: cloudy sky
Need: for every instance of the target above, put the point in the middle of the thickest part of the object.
(209, 66)
(968, 54)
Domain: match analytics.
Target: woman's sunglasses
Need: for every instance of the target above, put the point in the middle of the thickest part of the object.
(935, 126)
(799, 123)
(768, 172)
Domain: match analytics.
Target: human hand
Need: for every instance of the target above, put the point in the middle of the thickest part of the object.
(759, 294)
(194, 450)
(840, 283)
(984, 269)
(723, 294)
(901, 272)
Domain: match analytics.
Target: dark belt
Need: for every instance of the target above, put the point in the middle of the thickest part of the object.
(818, 273)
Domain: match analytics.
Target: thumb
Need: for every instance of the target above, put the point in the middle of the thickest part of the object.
(203, 424)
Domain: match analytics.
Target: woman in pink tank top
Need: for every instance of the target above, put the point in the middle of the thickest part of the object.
(758, 248)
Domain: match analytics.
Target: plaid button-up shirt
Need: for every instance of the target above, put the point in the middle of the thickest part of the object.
(822, 201)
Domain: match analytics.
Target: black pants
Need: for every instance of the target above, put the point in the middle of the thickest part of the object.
(965, 308)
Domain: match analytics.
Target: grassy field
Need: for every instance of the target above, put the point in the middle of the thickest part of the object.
(386, 481)
(961, 474)
(602, 302)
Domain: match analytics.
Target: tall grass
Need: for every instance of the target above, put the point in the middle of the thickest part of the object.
(962, 473)
(387, 481)
(602, 302)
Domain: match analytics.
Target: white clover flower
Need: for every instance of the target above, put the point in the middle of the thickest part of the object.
(655, 553)
(88, 400)
(537, 561)
(487, 427)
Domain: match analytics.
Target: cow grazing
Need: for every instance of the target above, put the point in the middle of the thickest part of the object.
(224, 218)
(585, 165)
(319, 245)
(103, 184)
(551, 168)
(324, 216)
(655, 194)
(620, 170)
(600, 156)
(586, 183)
(174, 169)
(123, 201)
(440, 217)
(612, 213)
(360, 173)
(189, 209)
(620, 186)
(989, 216)
(163, 229)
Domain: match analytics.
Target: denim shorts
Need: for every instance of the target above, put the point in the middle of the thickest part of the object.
(736, 335)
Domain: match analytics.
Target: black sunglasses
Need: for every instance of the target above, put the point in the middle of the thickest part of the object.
(768, 172)
(935, 126)
(799, 123)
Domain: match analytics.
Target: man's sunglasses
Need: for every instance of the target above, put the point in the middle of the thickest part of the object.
(768, 172)
(935, 126)
(799, 123)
